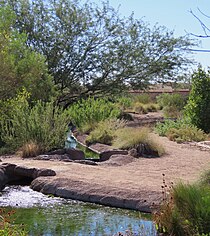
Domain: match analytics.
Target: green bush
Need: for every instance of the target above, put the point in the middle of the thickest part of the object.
(142, 98)
(172, 104)
(105, 131)
(186, 211)
(140, 108)
(180, 130)
(85, 114)
(43, 124)
(124, 102)
(128, 138)
(186, 134)
(198, 108)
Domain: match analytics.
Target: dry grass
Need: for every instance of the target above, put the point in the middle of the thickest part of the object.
(128, 138)
(30, 149)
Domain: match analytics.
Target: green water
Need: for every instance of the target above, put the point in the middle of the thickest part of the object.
(53, 216)
(88, 153)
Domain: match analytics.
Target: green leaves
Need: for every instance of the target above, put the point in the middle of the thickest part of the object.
(197, 108)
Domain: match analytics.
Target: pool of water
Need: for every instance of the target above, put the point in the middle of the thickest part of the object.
(49, 216)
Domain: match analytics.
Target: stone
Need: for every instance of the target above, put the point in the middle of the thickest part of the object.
(104, 156)
(87, 162)
(45, 172)
(75, 154)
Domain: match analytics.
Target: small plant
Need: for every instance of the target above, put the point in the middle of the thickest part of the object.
(140, 108)
(128, 138)
(172, 104)
(142, 98)
(86, 113)
(6, 226)
(185, 210)
(105, 131)
(180, 130)
(30, 149)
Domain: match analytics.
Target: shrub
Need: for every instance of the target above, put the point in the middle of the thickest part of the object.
(186, 211)
(186, 134)
(180, 130)
(128, 138)
(140, 108)
(8, 229)
(87, 113)
(197, 108)
(44, 124)
(172, 104)
(124, 102)
(142, 98)
(105, 131)
(30, 149)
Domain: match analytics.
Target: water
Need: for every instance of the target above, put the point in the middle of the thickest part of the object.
(49, 216)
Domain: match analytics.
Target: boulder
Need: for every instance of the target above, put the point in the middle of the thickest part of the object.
(75, 154)
(104, 156)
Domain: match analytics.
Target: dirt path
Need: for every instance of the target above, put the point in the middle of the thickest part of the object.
(136, 185)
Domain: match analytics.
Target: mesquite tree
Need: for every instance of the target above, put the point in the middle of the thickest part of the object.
(91, 50)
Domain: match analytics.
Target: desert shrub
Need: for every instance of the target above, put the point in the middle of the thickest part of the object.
(172, 104)
(142, 98)
(197, 108)
(105, 131)
(6, 226)
(162, 128)
(128, 138)
(180, 130)
(140, 108)
(85, 114)
(124, 102)
(186, 211)
(186, 134)
(44, 124)
(151, 107)
(30, 149)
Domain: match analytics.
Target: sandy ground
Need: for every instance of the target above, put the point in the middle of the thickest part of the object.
(141, 178)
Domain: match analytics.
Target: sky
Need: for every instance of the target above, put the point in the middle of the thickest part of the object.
(174, 14)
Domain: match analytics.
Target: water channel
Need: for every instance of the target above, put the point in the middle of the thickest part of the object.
(51, 216)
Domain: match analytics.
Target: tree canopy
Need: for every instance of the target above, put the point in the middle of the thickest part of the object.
(91, 50)
(20, 67)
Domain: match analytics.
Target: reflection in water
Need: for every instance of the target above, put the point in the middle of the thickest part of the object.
(49, 216)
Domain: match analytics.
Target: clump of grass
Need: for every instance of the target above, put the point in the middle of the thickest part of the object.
(104, 132)
(143, 98)
(139, 108)
(128, 138)
(30, 149)
(185, 210)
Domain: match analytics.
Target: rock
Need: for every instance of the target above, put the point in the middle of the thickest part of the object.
(104, 156)
(146, 151)
(57, 151)
(75, 154)
(25, 171)
(119, 160)
(0, 160)
(87, 162)
(45, 172)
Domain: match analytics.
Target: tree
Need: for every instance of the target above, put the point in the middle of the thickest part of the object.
(198, 109)
(93, 51)
(19, 65)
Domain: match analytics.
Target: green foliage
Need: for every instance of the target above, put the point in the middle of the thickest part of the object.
(20, 66)
(162, 128)
(85, 114)
(124, 102)
(140, 108)
(197, 108)
(186, 211)
(44, 124)
(6, 226)
(105, 131)
(180, 130)
(142, 98)
(172, 104)
(186, 134)
(128, 138)
(93, 50)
